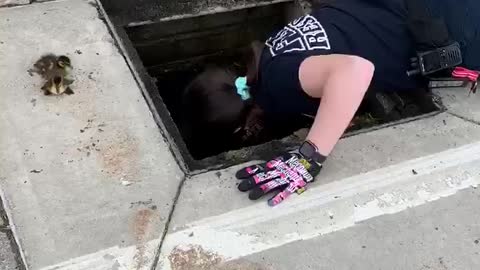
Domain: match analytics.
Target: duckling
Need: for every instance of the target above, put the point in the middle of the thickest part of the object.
(56, 71)
(56, 85)
(45, 63)
(64, 63)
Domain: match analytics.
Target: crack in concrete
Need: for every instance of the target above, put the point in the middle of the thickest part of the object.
(464, 118)
(167, 223)
(114, 33)
(119, 38)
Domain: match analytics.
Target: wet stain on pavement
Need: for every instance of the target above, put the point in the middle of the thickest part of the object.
(141, 230)
(120, 156)
(194, 257)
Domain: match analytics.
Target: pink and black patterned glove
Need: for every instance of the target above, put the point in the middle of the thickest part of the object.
(287, 174)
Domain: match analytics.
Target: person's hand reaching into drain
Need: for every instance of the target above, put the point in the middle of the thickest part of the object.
(286, 174)
(322, 77)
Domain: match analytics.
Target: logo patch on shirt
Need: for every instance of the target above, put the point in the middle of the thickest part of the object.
(303, 34)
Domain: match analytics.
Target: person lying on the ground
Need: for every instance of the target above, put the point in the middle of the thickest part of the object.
(322, 64)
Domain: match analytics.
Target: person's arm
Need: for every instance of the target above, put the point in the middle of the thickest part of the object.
(341, 82)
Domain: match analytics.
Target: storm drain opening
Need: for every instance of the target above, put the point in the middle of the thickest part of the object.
(173, 52)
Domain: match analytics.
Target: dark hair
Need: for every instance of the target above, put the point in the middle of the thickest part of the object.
(213, 111)
(252, 57)
(211, 100)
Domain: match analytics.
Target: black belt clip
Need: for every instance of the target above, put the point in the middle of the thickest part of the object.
(429, 62)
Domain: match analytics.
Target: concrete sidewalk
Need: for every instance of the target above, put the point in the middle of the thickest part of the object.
(89, 182)
(86, 172)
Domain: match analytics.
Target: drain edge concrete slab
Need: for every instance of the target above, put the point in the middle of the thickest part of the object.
(369, 175)
(81, 174)
(214, 193)
(460, 102)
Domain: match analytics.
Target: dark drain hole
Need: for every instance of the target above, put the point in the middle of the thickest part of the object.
(211, 143)
(174, 52)
(377, 109)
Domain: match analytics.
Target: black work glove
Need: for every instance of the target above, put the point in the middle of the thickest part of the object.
(289, 173)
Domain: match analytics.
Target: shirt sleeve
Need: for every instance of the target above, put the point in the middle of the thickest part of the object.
(281, 92)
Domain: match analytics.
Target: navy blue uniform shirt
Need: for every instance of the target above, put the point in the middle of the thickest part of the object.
(463, 22)
(373, 29)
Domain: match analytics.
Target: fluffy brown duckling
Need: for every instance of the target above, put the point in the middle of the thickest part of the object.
(56, 71)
